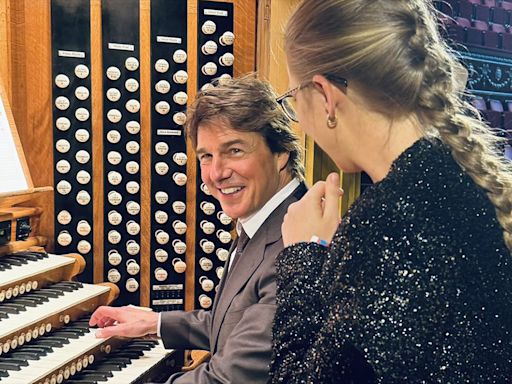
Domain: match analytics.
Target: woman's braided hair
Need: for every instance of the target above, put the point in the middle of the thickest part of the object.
(392, 51)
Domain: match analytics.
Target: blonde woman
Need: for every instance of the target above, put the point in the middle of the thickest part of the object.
(415, 284)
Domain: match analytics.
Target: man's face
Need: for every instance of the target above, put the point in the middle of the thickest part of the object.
(238, 168)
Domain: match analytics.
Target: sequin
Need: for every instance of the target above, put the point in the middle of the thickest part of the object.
(416, 286)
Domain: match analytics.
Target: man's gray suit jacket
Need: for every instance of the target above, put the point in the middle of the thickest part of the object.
(238, 329)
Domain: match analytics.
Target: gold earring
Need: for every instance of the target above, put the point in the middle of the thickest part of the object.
(332, 122)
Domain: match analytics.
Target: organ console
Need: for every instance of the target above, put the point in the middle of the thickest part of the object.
(45, 337)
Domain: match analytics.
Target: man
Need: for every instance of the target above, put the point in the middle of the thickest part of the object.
(250, 160)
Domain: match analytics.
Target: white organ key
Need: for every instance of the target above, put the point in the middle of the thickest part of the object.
(139, 366)
(32, 268)
(16, 322)
(38, 369)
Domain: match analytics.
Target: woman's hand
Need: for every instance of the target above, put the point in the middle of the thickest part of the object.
(317, 213)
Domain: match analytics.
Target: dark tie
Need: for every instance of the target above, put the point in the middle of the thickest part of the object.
(242, 241)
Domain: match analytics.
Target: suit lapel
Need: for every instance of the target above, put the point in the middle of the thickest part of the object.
(250, 259)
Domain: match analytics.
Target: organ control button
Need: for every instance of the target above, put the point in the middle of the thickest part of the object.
(162, 107)
(82, 114)
(204, 301)
(132, 147)
(207, 207)
(131, 64)
(179, 178)
(114, 116)
(114, 178)
(113, 275)
(114, 217)
(179, 227)
(162, 237)
(161, 217)
(132, 228)
(179, 246)
(223, 218)
(132, 187)
(205, 189)
(227, 38)
(161, 66)
(113, 136)
(206, 264)
(222, 254)
(62, 103)
(161, 255)
(131, 85)
(161, 148)
(61, 80)
(179, 56)
(114, 237)
(64, 238)
(82, 93)
(83, 177)
(161, 197)
(114, 157)
(209, 48)
(180, 77)
(82, 135)
(64, 217)
(132, 247)
(180, 98)
(63, 166)
(163, 86)
(206, 87)
(207, 246)
(83, 228)
(114, 258)
(113, 73)
(161, 168)
(63, 187)
(82, 156)
(227, 59)
(179, 118)
(224, 78)
(132, 267)
(209, 69)
(180, 158)
(224, 236)
(83, 197)
(63, 123)
(84, 247)
(114, 198)
(179, 207)
(132, 106)
(207, 226)
(133, 127)
(113, 94)
(133, 208)
(81, 71)
(132, 285)
(132, 167)
(179, 265)
(209, 27)
(161, 274)
(206, 283)
(219, 271)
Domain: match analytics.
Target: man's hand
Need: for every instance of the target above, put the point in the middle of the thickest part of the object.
(124, 321)
(317, 213)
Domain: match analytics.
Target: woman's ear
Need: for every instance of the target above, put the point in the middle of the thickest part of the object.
(330, 93)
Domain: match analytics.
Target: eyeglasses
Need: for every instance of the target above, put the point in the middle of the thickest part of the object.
(286, 99)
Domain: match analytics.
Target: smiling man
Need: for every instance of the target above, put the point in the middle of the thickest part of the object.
(250, 160)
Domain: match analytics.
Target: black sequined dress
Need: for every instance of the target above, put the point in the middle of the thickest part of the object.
(416, 286)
